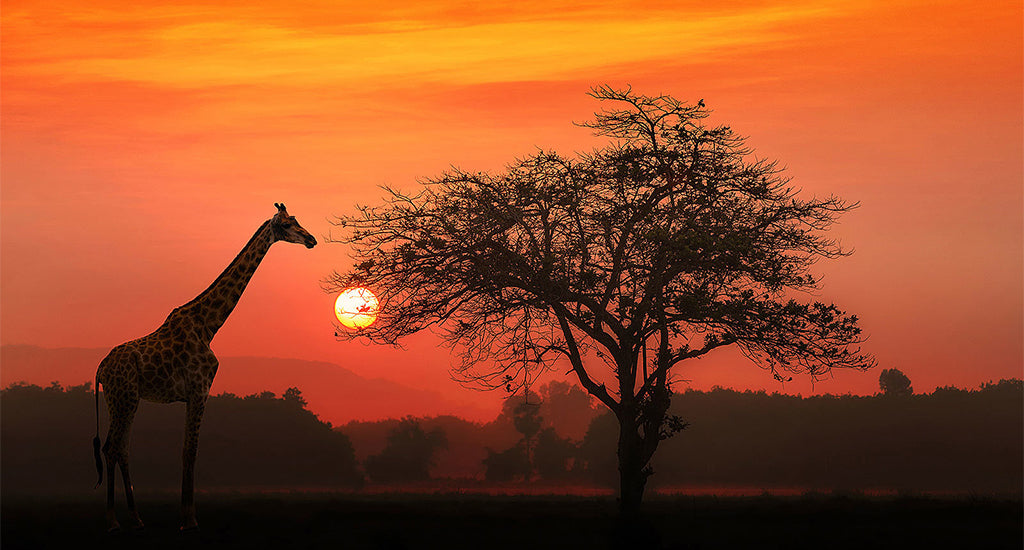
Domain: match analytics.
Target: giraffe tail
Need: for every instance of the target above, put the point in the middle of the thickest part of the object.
(96, 440)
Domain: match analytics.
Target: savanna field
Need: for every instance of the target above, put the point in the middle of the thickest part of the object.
(297, 520)
(273, 474)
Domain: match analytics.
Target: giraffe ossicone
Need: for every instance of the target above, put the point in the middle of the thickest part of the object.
(175, 363)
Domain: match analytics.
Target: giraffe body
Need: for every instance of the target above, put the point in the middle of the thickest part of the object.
(168, 365)
(174, 363)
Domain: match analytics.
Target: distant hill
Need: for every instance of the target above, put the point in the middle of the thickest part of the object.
(334, 393)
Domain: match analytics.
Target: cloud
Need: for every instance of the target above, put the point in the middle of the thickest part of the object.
(194, 48)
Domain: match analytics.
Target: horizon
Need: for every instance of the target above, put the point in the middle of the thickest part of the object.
(235, 383)
(144, 145)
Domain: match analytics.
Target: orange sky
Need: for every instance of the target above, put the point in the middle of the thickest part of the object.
(142, 145)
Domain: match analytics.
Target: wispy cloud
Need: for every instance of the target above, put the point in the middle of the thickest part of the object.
(191, 49)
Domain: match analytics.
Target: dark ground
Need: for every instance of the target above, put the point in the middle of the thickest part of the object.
(342, 521)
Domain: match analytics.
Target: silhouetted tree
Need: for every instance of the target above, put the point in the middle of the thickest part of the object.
(1013, 387)
(409, 454)
(670, 239)
(294, 395)
(508, 465)
(527, 420)
(597, 463)
(554, 457)
(512, 403)
(894, 382)
(511, 408)
(540, 450)
(523, 413)
(567, 408)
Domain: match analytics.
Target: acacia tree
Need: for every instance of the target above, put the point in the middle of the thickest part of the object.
(671, 240)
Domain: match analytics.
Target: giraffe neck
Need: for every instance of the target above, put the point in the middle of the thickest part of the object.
(210, 309)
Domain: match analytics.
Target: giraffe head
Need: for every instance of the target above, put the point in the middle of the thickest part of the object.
(287, 229)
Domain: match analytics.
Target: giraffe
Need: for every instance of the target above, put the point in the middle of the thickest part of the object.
(174, 363)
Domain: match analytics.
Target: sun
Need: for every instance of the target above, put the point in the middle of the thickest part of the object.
(356, 307)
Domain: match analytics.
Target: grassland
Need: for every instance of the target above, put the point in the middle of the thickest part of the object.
(460, 521)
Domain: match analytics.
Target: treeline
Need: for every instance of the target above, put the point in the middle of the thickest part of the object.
(491, 451)
(949, 440)
(254, 441)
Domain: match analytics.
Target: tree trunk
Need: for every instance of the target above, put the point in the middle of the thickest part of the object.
(632, 468)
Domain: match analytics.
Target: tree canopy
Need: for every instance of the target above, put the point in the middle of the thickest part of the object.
(894, 382)
(410, 453)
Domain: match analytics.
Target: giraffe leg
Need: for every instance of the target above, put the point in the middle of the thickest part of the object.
(122, 412)
(129, 495)
(112, 524)
(194, 416)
